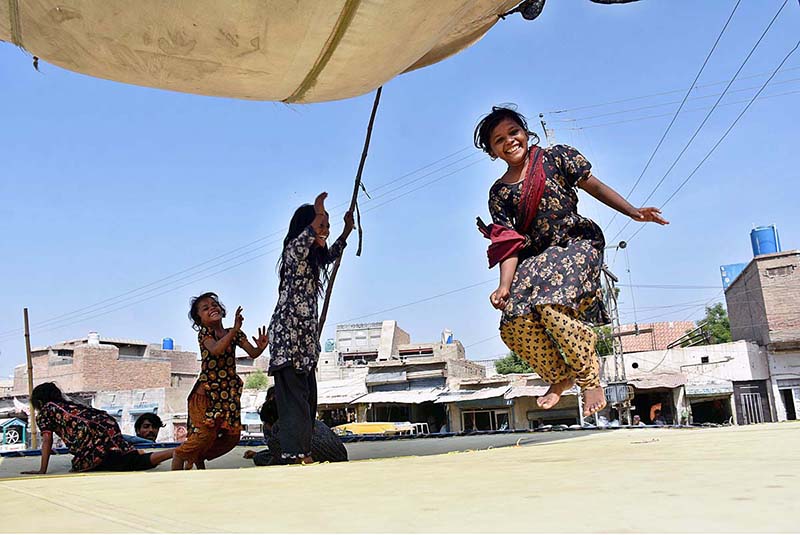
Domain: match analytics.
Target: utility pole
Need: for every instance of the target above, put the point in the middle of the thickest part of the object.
(618, 392)
(549, 135)
(31, 410)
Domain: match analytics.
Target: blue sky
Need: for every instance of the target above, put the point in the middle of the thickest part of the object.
(107, 188)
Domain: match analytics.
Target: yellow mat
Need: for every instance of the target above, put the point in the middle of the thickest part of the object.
(740, 479)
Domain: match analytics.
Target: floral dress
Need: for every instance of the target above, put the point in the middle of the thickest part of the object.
(222, 384)
(89, 433)
(562, 255)
(293, 336)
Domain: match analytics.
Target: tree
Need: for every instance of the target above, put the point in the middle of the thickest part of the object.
(605, 342)
(257, 380)
(717, 324)
(512, 363)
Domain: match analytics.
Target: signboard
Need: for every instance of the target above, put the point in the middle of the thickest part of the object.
(729, 272)
(709, 389)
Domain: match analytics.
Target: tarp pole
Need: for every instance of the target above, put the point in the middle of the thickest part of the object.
(32, 412)
(353, 207)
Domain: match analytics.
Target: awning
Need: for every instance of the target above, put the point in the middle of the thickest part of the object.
(340, 392)
(401, 396)
(709, 389)
(455, 396)
(534, 392)
(658, 380)
(143, 409)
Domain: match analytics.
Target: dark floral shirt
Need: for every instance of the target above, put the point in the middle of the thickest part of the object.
(220, 381)
(90, 434)
(563, 253)
(293, 337)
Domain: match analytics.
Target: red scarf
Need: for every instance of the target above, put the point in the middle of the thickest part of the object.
(507, 242)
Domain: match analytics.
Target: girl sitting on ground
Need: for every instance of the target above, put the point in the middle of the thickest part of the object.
(93, 437)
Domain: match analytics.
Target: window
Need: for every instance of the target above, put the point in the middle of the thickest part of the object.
(489, 420)
(704, 360)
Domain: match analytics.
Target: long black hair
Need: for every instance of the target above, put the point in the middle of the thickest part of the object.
(485, 126)
(194, 316)
(317, 258)
(44, 394)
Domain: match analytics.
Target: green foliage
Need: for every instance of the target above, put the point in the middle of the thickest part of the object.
(512, 363)
(605, 345)
(717, 324)
(257, 380)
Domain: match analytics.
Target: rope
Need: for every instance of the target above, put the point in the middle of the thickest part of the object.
(353, 207)
(16, 26)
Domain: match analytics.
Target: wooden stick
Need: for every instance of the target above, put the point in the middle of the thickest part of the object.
(353, 206)
(32, 415)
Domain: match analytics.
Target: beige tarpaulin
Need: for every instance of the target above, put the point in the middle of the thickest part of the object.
(293, 51)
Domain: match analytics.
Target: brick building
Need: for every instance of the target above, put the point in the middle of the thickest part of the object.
(123, 377)
(764, 307)
(652, 336)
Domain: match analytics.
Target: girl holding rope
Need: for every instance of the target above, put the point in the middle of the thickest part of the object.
(293, 330)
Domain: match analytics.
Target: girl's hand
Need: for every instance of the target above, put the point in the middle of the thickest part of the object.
(349, 222)
(249, 454)
(319, 203)
(649, 214)
(237, 323)
(499, 298)
(263, 340)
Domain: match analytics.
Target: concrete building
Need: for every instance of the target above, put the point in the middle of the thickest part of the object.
(764, 307)
(122, 376)
(717, 383)
(400, 379)
(505, 402)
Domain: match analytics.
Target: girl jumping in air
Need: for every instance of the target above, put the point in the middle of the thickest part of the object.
(550, 256)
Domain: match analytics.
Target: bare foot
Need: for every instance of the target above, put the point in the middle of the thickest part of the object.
(553, 395)
(178, 462)
(594, 399)
(307, 460)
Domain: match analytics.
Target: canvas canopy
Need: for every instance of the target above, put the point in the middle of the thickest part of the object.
(298, 51)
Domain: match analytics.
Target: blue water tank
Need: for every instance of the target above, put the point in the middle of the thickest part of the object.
(765, 240)
(167, 343)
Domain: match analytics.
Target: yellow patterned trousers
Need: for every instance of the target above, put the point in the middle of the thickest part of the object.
(557, 345)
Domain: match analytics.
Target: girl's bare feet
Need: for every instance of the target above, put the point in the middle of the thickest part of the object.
(594, 399)
(553, 395)
(178, 462)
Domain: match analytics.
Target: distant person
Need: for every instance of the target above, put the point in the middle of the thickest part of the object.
(146, 428)
(215, 400)
(637, 421)
(550, 256)
(92, 436)
(325, 445)
(294, 353)
(659, 419)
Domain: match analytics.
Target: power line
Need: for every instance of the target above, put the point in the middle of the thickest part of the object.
(714, 107)
(688, 110)
(651, 106)
(680, 107)
(659, 94)
(192, 271)
(721, 139)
